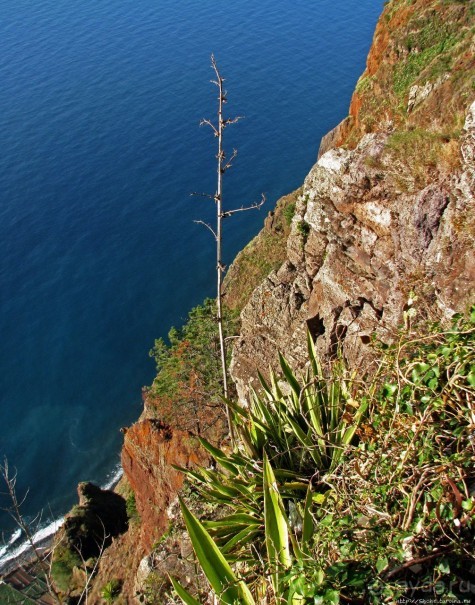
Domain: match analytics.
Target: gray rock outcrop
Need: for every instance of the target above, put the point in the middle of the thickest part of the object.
(365, 234)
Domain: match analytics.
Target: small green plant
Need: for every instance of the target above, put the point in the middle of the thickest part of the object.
(111, 590)
(303, 229)
(131, 508)
(288, 213)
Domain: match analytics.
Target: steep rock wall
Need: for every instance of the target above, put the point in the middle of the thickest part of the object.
(360, 242)
(150, 450)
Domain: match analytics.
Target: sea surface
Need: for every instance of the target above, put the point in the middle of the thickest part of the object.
(100, 104)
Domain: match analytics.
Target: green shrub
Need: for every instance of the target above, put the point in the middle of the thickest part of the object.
(303, 228)
(194, 347)
(189, 370)
(111, 590)
(131, 507)
(64, 561)
(288, 213)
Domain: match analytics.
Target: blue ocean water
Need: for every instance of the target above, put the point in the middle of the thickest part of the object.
(99, 110)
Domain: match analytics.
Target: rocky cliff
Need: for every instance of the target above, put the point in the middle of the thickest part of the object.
(419, 72)
(151, 449)
(389, 207)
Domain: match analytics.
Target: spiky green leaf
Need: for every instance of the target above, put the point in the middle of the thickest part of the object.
(276, 528)
(229, 589)
(183, 594)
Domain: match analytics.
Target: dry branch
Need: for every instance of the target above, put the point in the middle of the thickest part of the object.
(222, 166)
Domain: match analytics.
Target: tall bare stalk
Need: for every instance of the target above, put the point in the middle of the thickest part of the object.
(223, 164)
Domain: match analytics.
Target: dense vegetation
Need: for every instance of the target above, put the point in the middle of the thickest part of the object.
(343, 491)
(188, 386)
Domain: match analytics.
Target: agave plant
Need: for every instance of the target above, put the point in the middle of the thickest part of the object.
(305, 425)
(282, 550)
(229, 589)
(302, 426)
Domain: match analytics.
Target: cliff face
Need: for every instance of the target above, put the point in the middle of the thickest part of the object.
(390, 214)
(150, 450)
(265, 253)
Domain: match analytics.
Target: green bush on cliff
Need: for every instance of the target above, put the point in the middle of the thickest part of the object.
(189, 369)
(131, 508)
(191, 348)
(303, 229)
(288, 213)
(111, 590)
(64, 562)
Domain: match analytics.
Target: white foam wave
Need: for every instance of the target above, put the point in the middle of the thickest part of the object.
(113, 477)
(13, 538)
(41, 535)
(6, 554)
(48, 531)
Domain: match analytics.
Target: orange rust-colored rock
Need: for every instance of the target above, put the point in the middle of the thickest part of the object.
(150, 449)
(424, 44)
(376, 53)
(355, 106)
